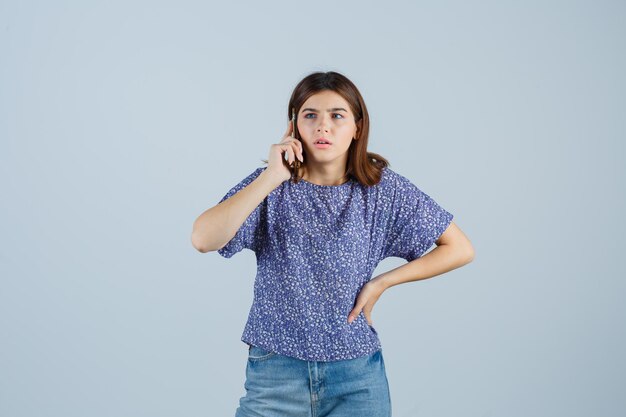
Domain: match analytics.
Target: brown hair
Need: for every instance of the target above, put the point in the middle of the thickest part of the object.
(363, 166)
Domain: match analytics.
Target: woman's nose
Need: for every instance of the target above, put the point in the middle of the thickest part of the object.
(323, 124)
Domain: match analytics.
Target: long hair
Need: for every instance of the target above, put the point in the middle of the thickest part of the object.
(362, 166)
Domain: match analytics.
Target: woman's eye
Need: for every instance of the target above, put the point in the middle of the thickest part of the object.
(337, 114)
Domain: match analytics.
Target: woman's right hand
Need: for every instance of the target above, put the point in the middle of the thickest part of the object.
(277, 166)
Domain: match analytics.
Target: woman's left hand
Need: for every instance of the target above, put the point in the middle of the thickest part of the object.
(366, 299)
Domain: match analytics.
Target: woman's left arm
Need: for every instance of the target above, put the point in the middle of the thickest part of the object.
(453, 251)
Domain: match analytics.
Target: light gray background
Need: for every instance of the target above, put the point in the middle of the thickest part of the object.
(122, 122)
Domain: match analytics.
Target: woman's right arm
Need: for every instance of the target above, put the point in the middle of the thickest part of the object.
(214, 228)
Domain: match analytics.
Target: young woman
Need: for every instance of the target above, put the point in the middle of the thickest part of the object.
(319, 224)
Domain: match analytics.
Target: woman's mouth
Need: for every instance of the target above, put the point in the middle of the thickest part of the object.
(322, 144)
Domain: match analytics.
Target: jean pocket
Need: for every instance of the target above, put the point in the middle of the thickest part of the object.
(256, 353)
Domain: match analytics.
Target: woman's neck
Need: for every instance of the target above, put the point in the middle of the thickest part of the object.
(324, 177)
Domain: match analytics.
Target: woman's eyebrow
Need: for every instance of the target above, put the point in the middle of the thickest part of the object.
(333, 109)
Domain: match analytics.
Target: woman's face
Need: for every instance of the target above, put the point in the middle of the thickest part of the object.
(326, 115)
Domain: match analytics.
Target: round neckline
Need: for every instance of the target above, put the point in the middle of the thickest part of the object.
(327, 186)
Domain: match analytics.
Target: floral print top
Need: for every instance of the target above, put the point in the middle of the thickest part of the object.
(316, 246)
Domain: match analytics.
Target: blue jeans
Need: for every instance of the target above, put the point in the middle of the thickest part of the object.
(282, 386)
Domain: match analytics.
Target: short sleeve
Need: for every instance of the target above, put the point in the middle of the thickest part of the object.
(416, 223)
(248, 235)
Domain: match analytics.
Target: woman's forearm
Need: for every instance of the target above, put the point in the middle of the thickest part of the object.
(218, 225)
(442, 259)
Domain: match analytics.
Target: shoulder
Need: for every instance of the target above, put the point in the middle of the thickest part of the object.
(393, 180)
(252, 175)
(401, 190)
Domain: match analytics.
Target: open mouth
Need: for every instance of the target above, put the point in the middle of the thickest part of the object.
(322, 144)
